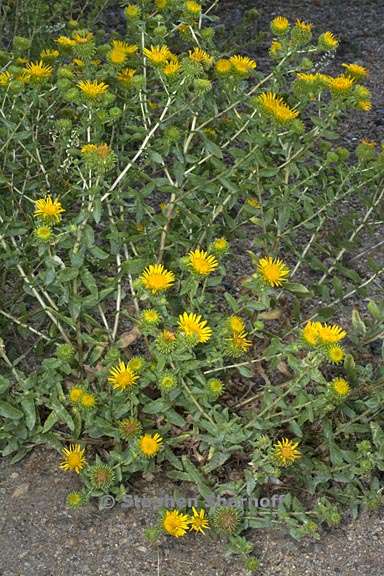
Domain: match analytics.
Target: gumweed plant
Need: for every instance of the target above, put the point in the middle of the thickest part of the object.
(131, 170)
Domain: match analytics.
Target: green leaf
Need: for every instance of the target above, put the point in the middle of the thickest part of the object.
(30, 412)
(7, 410)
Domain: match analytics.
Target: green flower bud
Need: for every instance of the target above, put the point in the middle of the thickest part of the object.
(21, 44)
(63, 84)
(64, 72)
(202, 85)
(65, 352)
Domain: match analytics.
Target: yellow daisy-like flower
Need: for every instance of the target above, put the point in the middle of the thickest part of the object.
(279, 25)
(275, 48)
(151, 316)
(274, 106)
(220, 245)
(75, 394)
(78, 62)
(199, 521)
(117, 55)
(238, 343)
(175, 523)
(335, 353)
(5, 78)
(286, 452)
(328, 41)
(156, 278)
(192, 7)
(340, 387)
(172, 68)
(65, 42)
(193, 325)
(223, 66)
(132, 11)
(89, 149)
(273, 270)
(236, 324)
(43, 233)
(303, 26)
(150, 444)
(88, 400)
(242, 64)
(202, 262)
(122, 377)
(311, 333)
(364, 105)
(83, 37)
(48, 209)
(125, 76)
(356, 71)
(158, 54)
(341, 84)
(73, 458)
(38, 71)
(201, 56)
(161, 4)
(92, 89)
(330, 334)
(49, 54)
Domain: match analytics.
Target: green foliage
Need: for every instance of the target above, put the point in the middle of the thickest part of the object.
(133, 173)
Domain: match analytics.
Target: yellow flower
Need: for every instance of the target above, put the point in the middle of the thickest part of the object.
(340, 387)
(311, 333)
(274, 106)
(238, 343)
(125, 76)
(279, 25)
(199, 55)
(286, 452)
(273, 270)
(161, 4)
(253, 202)
(202, 262)
(43, 233)
(220, 245)
(78, 62)
(340, 84)
(158, 54)
(65, 42)
(356, 71)
(193, 325)
(88, 400)
(236, 324)
(150, 444)
(330, 334)
(223, 66)
(75, 394)
(73, 458)
(49, 54)
(242, 64)
(83, 37)
(132, 11)
(199, 521)
(92, 89)
(275, 48)
(151, 316)
(122, 377)
(48, 209)
(362, 92)
(303, 26)
(365, 105)
(129, 428)
(117, 55)
(5, 78)
(328, 41)
(156, 278)
(335, 353)
(192, 7)
(175, 523)
(172, 68)
(38, 71)
(89, 149)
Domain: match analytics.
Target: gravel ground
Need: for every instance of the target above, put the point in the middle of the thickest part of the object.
(40, 536)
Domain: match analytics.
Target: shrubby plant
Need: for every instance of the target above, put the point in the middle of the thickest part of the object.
(130, 170)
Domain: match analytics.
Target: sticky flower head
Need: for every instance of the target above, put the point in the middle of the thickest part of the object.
(175, 523)
(198, 520)
(201, 262)
(73, 458)
(273, 271)
(274, 106)
(48, 209)
(150, 444)
(286, 451)
(193, 326)
(92, 90)
(156, 278)
(122, 377)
